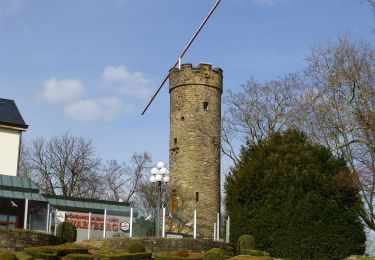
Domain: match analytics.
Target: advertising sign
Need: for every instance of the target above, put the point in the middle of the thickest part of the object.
(124, 226)
(60, 216)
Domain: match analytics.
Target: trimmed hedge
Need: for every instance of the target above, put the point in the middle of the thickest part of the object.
(23, 256)
(136, 247)
(52, 252)
(5, 255)
(214, 254)
(79, 257)
(249, 257)
(254, 252)
(120, 255)
(172, 256)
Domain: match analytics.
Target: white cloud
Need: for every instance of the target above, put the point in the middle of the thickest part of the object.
(126, 82)
(269, 3)
(96, 109)
(60, 91)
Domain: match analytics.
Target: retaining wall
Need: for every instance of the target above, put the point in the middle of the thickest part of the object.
(18, 239)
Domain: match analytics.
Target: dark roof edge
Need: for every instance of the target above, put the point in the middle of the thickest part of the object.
(126, 204)
(14, 125)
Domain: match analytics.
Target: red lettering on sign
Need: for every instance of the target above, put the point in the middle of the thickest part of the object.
(115, 227)
(85, 224)
(108, 227)
(96, 225)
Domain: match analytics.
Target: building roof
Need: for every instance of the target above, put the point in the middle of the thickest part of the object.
(10, 115)
(89, 205)
(19, 188)
(23, 188)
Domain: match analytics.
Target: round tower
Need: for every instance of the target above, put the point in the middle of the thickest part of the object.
(194, 143)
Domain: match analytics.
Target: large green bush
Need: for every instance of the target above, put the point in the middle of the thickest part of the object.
(66, 232)
(296, 199)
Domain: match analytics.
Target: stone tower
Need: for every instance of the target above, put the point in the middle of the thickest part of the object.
(194, 144)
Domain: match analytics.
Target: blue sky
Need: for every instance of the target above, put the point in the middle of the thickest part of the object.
(89, 66)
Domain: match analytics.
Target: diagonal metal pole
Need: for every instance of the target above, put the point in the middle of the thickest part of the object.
(182, 54)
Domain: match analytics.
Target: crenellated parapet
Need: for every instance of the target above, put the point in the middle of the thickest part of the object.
(204, 75)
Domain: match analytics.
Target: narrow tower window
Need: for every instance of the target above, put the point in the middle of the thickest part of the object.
(196, 196)
(205, 105)
(175, 141)
(174, 201)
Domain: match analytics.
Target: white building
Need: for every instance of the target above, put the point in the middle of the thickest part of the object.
(11, 127)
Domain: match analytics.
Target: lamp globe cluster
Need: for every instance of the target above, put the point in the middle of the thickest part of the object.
(160, 173)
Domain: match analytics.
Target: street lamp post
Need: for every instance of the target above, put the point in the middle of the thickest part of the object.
(160, 175)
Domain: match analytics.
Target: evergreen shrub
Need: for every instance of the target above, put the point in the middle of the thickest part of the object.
(296, 198)
(136, 247)
(66, 232)
(214, 254)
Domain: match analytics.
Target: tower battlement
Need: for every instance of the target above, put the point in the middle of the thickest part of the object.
(204, 74)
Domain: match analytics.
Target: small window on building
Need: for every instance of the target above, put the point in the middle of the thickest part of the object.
(205, 105)
(175, 141)
(196, 196)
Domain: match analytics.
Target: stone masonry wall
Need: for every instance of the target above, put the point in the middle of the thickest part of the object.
(18, 239)
(195, 128)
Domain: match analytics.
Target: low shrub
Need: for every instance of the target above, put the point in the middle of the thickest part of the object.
(79, 257)
(136, 247)
(23, 256)
(66, 232)
(36, 254)
(5, 255)
(254, 252)
(52, 251)
(173, 256)
(182, 253)
(245, 242)
(214, 254)
(249, 257)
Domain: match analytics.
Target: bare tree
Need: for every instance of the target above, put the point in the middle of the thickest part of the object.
(341, 105)
(124, 180)
(258, 110)
(64, 165)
